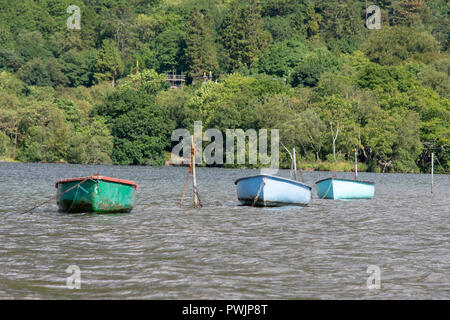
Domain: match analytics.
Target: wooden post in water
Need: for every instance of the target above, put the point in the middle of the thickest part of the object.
(295, 164)
(432, 171)
(194, 174)
(197, 201)
(356, 166)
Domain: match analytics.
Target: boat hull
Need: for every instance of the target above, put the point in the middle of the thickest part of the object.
(275, 191)
(343, 189)
(93, 195)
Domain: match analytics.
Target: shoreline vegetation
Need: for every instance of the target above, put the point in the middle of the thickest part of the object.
(311, 69)
(328, 166)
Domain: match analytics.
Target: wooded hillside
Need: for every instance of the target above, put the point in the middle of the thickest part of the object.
(309, 68)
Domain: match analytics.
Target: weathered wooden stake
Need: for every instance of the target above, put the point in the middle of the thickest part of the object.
(356, 166)
(194, 174)
(432, 171)
(295, 164)
(197, 201)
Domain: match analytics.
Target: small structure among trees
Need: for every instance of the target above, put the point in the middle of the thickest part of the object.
(176, 80)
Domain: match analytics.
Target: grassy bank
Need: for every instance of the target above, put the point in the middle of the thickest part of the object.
(8, 160)
(338, 166)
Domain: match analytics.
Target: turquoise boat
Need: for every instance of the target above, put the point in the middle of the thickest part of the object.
(344, 189)
(97, 193)
(271, 191)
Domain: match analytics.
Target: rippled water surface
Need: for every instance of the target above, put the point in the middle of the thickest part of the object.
(223, 251)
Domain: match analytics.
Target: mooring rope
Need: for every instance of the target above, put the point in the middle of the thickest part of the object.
(60, 194)
(329, 187)
(75, 198)
(263, 182)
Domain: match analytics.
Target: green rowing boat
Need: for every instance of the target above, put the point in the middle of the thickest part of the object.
(96, 193)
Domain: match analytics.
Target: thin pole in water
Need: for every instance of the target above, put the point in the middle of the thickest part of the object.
(194, 174)
(295, 164)
(432, 171)
(356, 166)
(197, 201)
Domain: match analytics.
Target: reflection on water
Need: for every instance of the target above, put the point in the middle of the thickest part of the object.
(223, 251)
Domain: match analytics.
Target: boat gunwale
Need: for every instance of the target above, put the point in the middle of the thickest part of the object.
(275, 178)
(103, 178)
(350, 180)
(262, 203)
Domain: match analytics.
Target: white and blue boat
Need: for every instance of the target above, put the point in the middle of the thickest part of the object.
(271, 191)
(344, 189)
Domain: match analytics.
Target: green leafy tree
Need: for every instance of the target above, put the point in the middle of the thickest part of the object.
(44, 135)
(279, 27)
(281, 57)
(201, 52)
(308, 130)
(35, 73)
(308, 72)
(170, 48)
(177, 104)
(109, 63)
(4, 144)
(394, 45)
(148, 81)
(32, 45)
(307, 20)
(141, 129)
(79, 67)
(336, 113)
(92, 144)
(242, 34)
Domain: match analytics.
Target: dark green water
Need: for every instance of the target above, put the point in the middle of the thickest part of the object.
(223, 251)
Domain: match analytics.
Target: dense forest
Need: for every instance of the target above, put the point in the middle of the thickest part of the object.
(310, 68)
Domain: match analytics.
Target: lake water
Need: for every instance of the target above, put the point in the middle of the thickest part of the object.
(223, 251)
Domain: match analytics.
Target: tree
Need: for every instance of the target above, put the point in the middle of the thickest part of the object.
(341, 24)
(279, 27)
(435, 76)
(281, 57)
(35, 73)
(394, 45)
(79, 67)
(4, 143)
(170, 51)
(336, 112)
(93, 144)
(32, 45)
(109, 63)
(10, 60)
(140, 128)
(385, 78)
(201, 55)
(407, 146)
(310, 129)
(308, 72)
(44, 134)
(378, 137)
(148, 81)
(177, 104)
(242, 34)
(307, 20)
